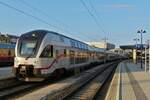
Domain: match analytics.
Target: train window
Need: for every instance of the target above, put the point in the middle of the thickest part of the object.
(72, 54)
(28, 48)
(65, 52)
(61, 38)
(9, 52)
(47, 52)
(57, 52)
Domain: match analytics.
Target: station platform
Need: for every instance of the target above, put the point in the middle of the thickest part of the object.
(6, 72)
(130, 82)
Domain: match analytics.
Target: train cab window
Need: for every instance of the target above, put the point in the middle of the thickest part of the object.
(47, 52)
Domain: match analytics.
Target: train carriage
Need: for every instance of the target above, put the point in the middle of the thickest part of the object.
(7, 53)
(40, 53)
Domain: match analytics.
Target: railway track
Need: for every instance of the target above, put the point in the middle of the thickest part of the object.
(75, 86)
(13, 88)
(87, 80)
(91, 88)
(8, 82)
(8, 92)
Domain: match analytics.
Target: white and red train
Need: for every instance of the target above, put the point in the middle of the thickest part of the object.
(40, 53)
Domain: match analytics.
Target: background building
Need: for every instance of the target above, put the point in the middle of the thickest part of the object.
(104, 45)
(7, 38)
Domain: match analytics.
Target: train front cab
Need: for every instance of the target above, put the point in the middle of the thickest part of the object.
(34, 67)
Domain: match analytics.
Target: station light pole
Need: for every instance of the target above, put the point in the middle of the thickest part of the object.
(136, 42)
(141, 32)
(145, 56)
(149, 53)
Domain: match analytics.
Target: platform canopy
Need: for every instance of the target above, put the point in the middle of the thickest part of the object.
(138, 46)
(127, 47)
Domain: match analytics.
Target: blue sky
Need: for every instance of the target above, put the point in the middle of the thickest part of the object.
(120, 19)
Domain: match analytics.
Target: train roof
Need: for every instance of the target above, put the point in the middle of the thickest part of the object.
(72, 42)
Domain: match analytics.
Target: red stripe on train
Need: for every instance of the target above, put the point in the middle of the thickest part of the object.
(54, 61)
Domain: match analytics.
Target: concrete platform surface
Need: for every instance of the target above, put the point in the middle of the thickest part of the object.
(6, 72)
(130, 82)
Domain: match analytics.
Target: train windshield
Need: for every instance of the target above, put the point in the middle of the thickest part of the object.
(28, 48)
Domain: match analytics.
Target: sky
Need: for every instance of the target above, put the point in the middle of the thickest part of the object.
(118, 20)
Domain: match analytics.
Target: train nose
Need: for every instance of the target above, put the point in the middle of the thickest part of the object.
(23, 70)
(26, 70)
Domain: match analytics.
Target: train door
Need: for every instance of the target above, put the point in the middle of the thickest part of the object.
(47, 54)
(64, 57)
(72, 55)
(60, 56)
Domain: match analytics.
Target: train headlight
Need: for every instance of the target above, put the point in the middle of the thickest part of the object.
(16, 60)
(36, 62)
(33, 35)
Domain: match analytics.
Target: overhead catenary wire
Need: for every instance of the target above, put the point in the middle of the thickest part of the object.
(99, 17)
(30, 15)
(41, 11)
(34, 17)
(45, 14)
(92, 15)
